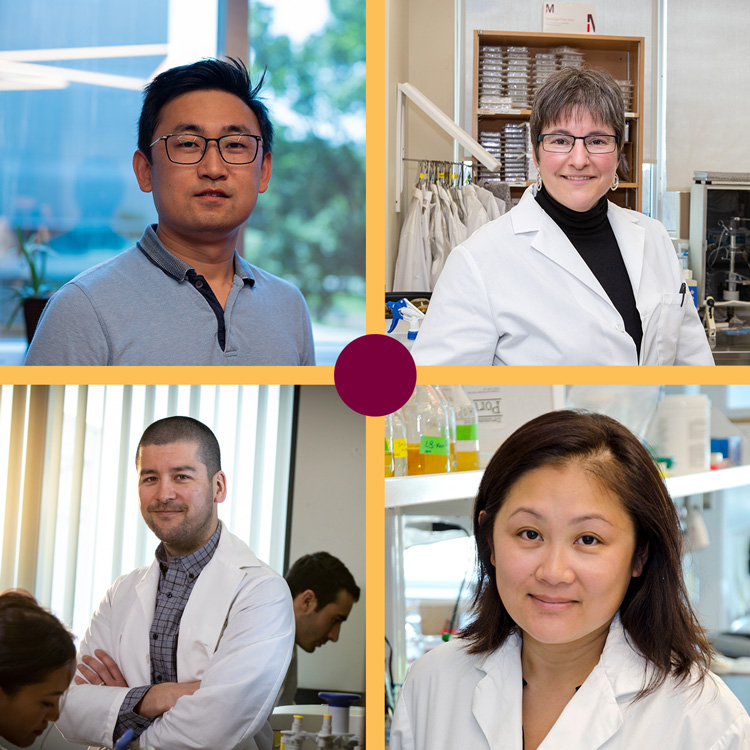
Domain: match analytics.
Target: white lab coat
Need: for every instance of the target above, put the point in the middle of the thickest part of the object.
(518, 293)
(455, 700)
(236, 637)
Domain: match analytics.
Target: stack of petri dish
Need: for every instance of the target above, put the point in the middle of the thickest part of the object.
(627, 94)
(517, 76)
(491, 83)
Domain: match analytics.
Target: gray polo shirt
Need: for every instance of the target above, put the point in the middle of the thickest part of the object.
(145, 306)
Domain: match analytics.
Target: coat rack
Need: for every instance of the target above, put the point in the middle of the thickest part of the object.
(437, 115)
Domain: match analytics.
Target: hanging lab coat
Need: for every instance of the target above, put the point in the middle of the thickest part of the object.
(236, 636)
(455, 700)
(412, 272)
(518, 293)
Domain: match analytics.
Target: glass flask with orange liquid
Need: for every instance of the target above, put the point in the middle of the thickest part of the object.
(427, 432)
(451, 424)
(395, 445)
(467, 427)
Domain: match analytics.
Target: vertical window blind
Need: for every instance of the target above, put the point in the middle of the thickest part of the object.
(71, 519)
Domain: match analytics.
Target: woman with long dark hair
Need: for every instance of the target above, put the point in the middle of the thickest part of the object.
(584, 636)
(37, 662)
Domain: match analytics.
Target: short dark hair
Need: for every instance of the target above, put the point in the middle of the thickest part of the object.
(189, 430)
(205, 75)
(33, 642)
(571, 91)
(655, 613)
(324, 574)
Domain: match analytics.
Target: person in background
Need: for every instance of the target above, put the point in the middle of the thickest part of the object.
(583, 635)
(191, 651)
(566, 277)
(183, 295)
(37, 662)
(323, 594)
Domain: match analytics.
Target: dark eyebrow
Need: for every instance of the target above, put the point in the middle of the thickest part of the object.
(191, 127)
(172, 470)
(578, 519)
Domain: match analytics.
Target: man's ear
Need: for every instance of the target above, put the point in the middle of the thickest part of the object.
(142, 169)
(265, 173)
(305, 602)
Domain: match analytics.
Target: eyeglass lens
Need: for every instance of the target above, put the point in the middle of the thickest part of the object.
(188, 148)
(595, 144)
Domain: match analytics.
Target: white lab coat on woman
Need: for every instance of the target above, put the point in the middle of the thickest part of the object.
(518, 293)
(454, 700)
(236, 637)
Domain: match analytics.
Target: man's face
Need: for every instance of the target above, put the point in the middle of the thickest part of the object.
(314, 628)
(178, 498)
(209, 200)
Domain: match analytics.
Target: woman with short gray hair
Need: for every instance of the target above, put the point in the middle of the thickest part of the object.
(566, 277)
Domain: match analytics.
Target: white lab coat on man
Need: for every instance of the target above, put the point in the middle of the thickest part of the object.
(236, 637)
(518, 293)
(455, 700)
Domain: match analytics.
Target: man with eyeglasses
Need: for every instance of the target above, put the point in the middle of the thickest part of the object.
(183, 295)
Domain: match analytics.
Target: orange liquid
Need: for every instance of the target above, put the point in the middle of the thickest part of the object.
(454, 466)
(467, 460)
(421, 463)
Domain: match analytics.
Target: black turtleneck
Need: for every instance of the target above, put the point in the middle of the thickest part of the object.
(591, 235)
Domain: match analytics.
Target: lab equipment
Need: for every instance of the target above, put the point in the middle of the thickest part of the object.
(467, 427)
(681, 431)
(427, 432)
(333, 734)
(405, 310)
(395, 445)
(720, 258)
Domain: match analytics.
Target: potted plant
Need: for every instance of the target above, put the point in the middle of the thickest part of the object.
(34, 292)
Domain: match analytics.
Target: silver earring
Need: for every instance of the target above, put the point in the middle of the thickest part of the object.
(538, 181)
(615, 183)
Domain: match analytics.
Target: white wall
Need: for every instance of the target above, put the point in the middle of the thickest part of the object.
(329, 514)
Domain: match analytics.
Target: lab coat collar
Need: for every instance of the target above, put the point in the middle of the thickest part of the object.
(214, 590)
(591, 717)
(528, 216)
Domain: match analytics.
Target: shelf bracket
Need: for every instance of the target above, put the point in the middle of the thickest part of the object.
(406, 90)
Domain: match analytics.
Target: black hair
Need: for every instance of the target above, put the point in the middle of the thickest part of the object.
(33, 642)
(205, 75)
(656, 613)
(324, 574)
(189, 430)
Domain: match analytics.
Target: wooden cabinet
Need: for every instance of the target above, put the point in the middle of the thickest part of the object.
(621, 56)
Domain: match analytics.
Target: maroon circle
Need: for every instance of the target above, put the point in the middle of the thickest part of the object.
(375, 375)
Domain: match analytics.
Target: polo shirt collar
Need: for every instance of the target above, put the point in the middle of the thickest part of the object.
(152, 247)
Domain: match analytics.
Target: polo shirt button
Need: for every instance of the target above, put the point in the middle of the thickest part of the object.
(169, 596)
(199, 284)
(155, 636)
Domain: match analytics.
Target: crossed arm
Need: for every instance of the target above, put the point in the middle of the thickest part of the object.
(102, 670)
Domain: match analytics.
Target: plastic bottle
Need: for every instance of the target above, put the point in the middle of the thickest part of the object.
(427, 432)
(467, 427)
(395, 445)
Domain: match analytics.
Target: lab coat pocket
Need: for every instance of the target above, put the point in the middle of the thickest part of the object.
(661, 329)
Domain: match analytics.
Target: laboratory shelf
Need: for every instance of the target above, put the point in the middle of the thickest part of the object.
(453, 494)
(708, 481)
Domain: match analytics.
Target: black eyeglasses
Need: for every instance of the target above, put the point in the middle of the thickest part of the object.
(562, 143)
(188, 148)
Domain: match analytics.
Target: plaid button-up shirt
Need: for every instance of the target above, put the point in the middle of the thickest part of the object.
(176, 580)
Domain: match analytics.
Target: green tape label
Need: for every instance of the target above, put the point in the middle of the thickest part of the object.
(467, 432)
(430, 445)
